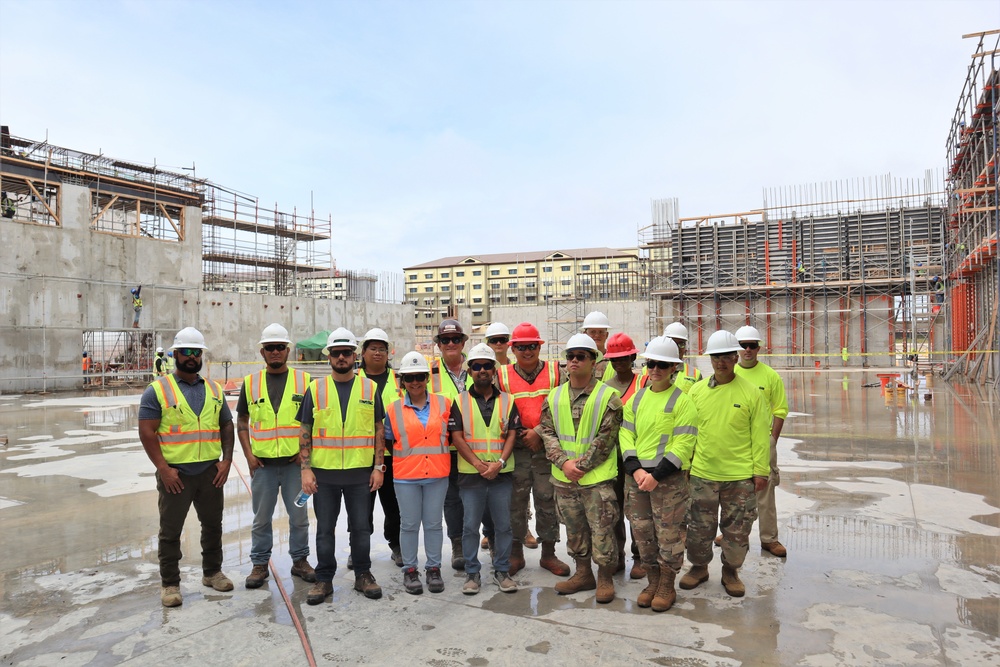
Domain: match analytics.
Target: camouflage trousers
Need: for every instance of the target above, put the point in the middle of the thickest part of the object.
(656, 517)
(589, 514)
(738, 504)
(532, 473)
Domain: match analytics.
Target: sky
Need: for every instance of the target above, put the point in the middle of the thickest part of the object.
(436, 128)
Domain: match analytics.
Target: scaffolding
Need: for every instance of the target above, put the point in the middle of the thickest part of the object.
(974, 217)
(118, 358)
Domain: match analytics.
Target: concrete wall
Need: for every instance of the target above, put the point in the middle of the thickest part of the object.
(57, 282)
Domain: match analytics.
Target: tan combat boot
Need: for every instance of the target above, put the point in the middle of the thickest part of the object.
(551, 562)
(646, 596)
(665, 593)
(582, 580)
(731, 582)
(695, 576)
(516, 558)
(605, 583)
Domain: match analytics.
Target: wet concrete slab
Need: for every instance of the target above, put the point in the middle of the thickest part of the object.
(889, 507)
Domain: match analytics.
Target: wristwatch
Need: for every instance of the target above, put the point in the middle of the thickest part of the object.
(502, 462)
(380, 468)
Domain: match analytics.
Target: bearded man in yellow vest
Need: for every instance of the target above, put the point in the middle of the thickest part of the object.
(580, 422)
(341, 453)
(269, 435)
(185, 426)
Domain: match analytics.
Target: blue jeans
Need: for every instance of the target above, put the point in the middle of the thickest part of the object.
(264, 486)
(421, 503)
(326, 504)
(476, 498)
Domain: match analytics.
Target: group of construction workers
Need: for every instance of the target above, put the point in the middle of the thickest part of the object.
(462, 444)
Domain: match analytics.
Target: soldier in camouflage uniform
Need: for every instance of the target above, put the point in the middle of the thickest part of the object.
(580, 422)
(731, 463)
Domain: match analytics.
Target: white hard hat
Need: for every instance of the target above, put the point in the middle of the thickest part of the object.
(483, 352)
(722, 342)
(676, 330)
(413, 362)
(341, 337)
(497, 329)
(596, 320)
(189, 337)
(375, 334)
(159, 350)
(662, 348)
(748, 333)
(274, 333)
(581, 341)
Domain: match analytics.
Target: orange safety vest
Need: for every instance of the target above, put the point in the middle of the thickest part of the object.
(420, 452)
(638, 382)
(529, 397)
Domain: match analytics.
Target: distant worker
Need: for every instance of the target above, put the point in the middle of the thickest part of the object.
(687, 374)
(621, 355)
(450, 377)
(598, 327)
(657, 438)
(8, 206)
(417, 430)
(484, 424)
(163, 364)
(580, 422)
(529, 381)
(341, 452)
(269, 435)
(498, 338)
(86, 368)
(136, 306)
(185, 426)
(730, 466)
(769, 382)
(937, 284)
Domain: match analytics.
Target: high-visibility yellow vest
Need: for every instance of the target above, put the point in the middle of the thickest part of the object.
(442, 382)
(275, 435)
(419, 451)
(648, 433)
(339, 444)
(391, 391)
(575, 443)
(485, 441)
(184, 436)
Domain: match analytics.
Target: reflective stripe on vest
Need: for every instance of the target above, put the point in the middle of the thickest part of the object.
(528, 397)
(575, 443)
(184, 436)
(486, 442)
(420, 452)
(340, 445)
(275, 435)
(648, 453)
(446, 388)
(391, 391)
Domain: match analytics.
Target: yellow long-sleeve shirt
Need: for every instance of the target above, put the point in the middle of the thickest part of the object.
(769, 382)
(734, 431)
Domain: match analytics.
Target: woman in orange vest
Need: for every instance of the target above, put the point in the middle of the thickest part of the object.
(417, 427)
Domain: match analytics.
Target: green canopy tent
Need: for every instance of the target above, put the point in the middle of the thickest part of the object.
(311, 348)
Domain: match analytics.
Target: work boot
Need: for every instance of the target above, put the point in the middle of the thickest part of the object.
(665, 593)
(697, 575)
(397, 557)
(218, 581)
(257, 576)
(638, 569)
(653, 580)
(776, 548)
(493, 549)
(582, 580)
(457, 559)
(365, 583)
(472, 584)
(530, 541)
(731, 582)
(170, 596)
(301, 569)
(484, 543)
(605, 583)
(620, 567)
(435, 584)
(550, 561)
(350, 562)
(411, 581)
(319, 592)
(717, 541)
(506, 584)
(516, 558)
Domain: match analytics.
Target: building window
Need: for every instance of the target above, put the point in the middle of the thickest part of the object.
(338, 284)
(413, 290)
(546, 269)
(429, 288)
(445, 301)
(477, 313)
(623, 279)
(512, 284)
(604, 280)
(529, 283)
(603, 267)
(586, 295)
(494, 272)
(565, 281)
(494, 299)
(585, 267)
(494, 285)
(622, 265)
(565, 267)
(530, 269)
(459, 288)
(445, 275)
(429, 302)
(530, 297)
(477, 286)
(623, 293)
(459, 300)
(428, 276)
(459, 274)
(413, 276)
(477, 273)
(585, 281)
(605, 295)
(511, 272)
(477, 299)
(547, 283)
(512, 299)
(428, 316)
(445, 288)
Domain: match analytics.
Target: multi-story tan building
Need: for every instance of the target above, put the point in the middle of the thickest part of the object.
(528, 278)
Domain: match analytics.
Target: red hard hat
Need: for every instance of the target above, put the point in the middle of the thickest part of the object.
(620, 345)
(525, 332)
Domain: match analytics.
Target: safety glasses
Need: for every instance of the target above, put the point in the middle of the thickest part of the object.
(750, 345)
(189, 351)
(526, 347)
(655, 363)
(276, 347)
(483, 366)
(497, 341)
(451, 340)
(577, 356)
(341, 353)
(414, 377)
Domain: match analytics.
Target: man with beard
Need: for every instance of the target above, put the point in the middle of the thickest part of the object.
(185, 426)
(269, 435)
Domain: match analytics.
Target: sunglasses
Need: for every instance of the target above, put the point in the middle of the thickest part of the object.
(340, 353)
(485, 366)
(722, 356)
(451, 340)
(378, 350)
(579, 356)
(654, 363)
(497, 341)
(750, 345)
(414, 377)
(277, 347)
(526, 347)
(189, 351)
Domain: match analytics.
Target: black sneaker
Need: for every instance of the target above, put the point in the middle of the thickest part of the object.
(365, 583)
(397, 557)
(435, 584)
(411, 581)
(350, 562)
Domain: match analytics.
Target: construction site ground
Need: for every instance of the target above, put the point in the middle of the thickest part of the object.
(889, 505)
